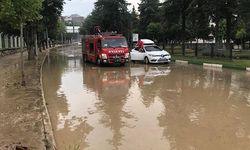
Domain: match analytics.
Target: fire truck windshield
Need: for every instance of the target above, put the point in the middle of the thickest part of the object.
(114, 43)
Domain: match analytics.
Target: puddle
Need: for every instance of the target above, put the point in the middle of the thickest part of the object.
(138, 107)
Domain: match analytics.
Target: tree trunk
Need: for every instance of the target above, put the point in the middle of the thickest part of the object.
(228, 35)
(31, 43)
(243, 44)
(36, 46)
(216, 34)
(172, 48)
(196, 48)
(43, 45)
(183, 32)
(40, 47)
(61, 38)
(249, 44)
(31, 53)
(47, 38)
(212, 50)
(164, 43)
(23, 83)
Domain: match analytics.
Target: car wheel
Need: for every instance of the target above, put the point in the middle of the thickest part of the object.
(146, 61)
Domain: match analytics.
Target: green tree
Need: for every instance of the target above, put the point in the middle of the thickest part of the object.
(110, 15)
(199, 22)
(224, 10)
(88, 25)
(222, 29)
(61, 29)
(149, 10)
(154, 31)
(244, 19)
(180, 10)
(241, 34)
(51, 12)
(231, 8)
(215, 11)
(184, 9)
(18, 13)
(171, 23)
(134, 20)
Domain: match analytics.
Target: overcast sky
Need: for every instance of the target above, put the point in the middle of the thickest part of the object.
(84, 7)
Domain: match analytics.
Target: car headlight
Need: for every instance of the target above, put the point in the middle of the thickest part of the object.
(127, 55)
(104, 56)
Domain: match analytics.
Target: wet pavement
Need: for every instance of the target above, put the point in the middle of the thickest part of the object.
(146, 107)
(21, 107)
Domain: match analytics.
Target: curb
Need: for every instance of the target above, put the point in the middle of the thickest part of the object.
(212, 65)
(50, 143)
(181, 61)
(48, 130)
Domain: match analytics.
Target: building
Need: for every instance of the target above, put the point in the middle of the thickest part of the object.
(74, 19)
(73, 24)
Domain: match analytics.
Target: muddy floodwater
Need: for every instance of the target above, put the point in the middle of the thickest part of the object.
(146, 107)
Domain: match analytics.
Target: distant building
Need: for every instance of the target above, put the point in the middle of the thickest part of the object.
(72, 29)
(73, 24)
(74, 19)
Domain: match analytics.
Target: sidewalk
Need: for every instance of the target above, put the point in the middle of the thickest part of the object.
(21, 108)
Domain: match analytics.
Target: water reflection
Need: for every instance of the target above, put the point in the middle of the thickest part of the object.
(204, 115)
(69, 126)
(142, 107)
(111, 86)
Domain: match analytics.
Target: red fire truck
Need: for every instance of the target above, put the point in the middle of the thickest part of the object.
(105, 48)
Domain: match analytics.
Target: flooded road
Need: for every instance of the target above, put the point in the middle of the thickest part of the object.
(154, 107)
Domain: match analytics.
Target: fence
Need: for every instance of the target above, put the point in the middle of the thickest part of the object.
(211, 49)
(8, 42)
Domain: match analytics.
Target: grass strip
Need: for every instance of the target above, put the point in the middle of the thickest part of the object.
(233, 64)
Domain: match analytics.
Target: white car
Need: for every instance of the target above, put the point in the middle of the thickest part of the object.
(151, 53)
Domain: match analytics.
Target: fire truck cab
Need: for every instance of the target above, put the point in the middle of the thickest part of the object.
(105, 48)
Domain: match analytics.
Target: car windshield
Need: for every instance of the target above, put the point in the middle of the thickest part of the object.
(152, 48)
(114, 42)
